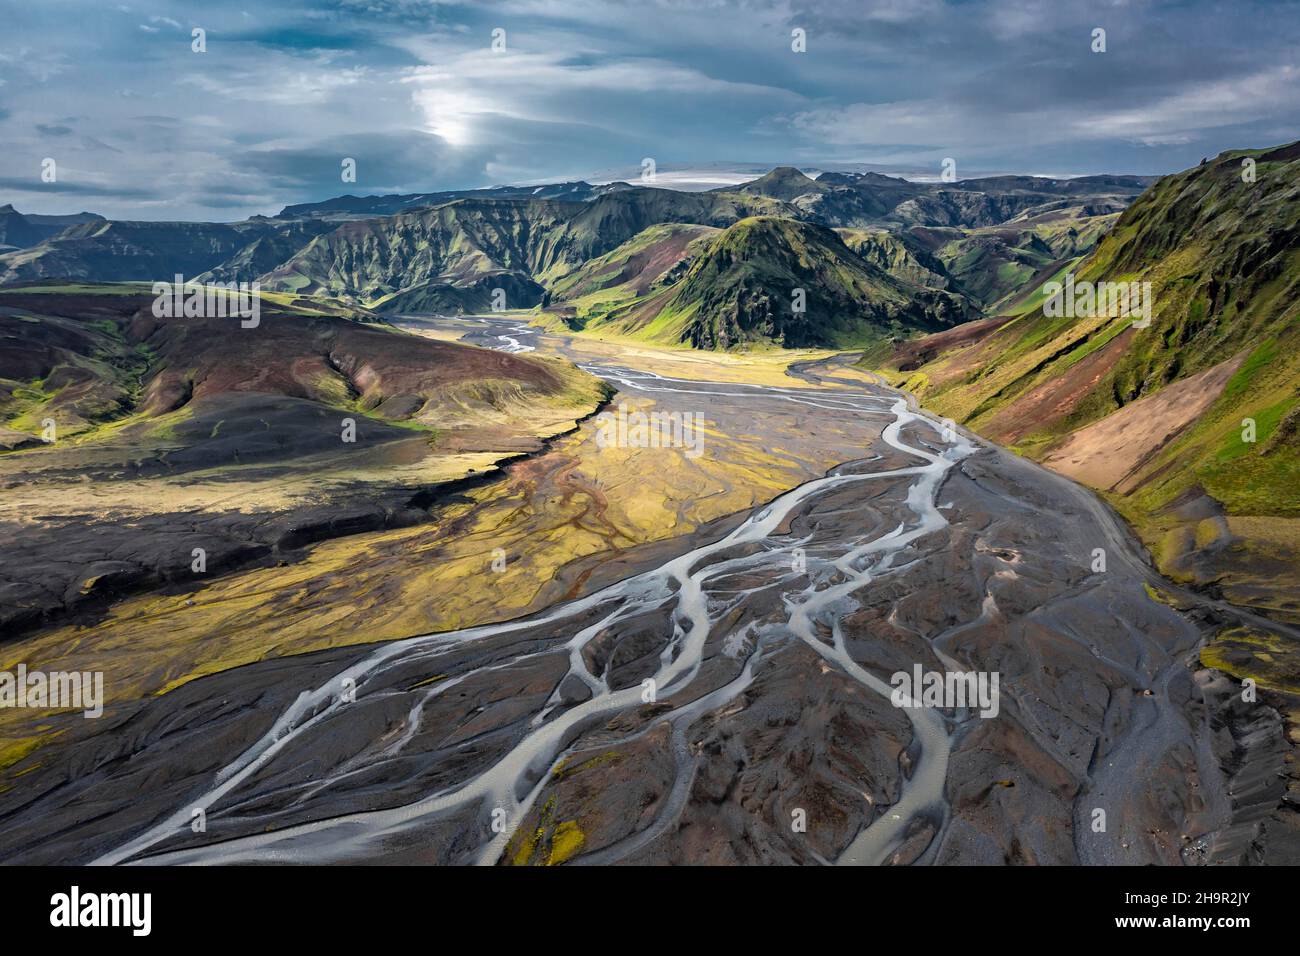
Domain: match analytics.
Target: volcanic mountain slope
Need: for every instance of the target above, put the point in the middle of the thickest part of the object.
(607, 222)
(984, 238)
(19, 231)
(870, 200)
(246, 442)
(836, 199)
(450, 251)
(993, 263)
(444, 239)
(446, 248)
(900, 255)
(1191, 425)
(647, 263)
(637, 265)
(371, 259)
(102, 250)
(768, 280)
(267, 249)
(492, 289)
(367, 207)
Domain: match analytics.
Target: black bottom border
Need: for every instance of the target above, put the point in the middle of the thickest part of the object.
(298, 905)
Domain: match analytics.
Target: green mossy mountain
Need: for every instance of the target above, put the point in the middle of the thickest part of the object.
(900, 255)
(342, 208)
(372, 259)
(1223, 257)
(656, 256)
(538, 241)
(440, 246)
(874, 201)
(773, 281)
(102, 250)
(1220, 246)
(266, 250)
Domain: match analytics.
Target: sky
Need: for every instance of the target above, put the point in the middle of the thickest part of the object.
(427, 95)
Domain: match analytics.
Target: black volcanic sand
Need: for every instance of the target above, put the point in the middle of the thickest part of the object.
(76, 563)
(1101, 708)
(259, 407)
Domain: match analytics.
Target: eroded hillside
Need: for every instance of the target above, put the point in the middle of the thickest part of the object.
(1190, 425)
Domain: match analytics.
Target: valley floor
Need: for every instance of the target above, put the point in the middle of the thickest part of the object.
(673, 654)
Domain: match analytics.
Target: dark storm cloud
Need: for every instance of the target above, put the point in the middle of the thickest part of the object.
(32, 187)
(413, 91)
(385, 162)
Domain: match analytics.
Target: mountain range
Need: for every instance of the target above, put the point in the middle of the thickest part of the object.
(448, 252)
(941, 283)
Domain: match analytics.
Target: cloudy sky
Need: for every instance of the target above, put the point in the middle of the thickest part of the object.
(141, 126)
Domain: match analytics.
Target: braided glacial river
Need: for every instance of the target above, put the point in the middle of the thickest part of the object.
(680, 587)
(729, 700)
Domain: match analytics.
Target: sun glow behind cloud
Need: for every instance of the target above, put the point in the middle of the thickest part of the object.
(450, 110)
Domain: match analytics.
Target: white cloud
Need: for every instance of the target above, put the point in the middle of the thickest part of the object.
(458, 93)
(947, 124)
(1204, 106)
(290, 84)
